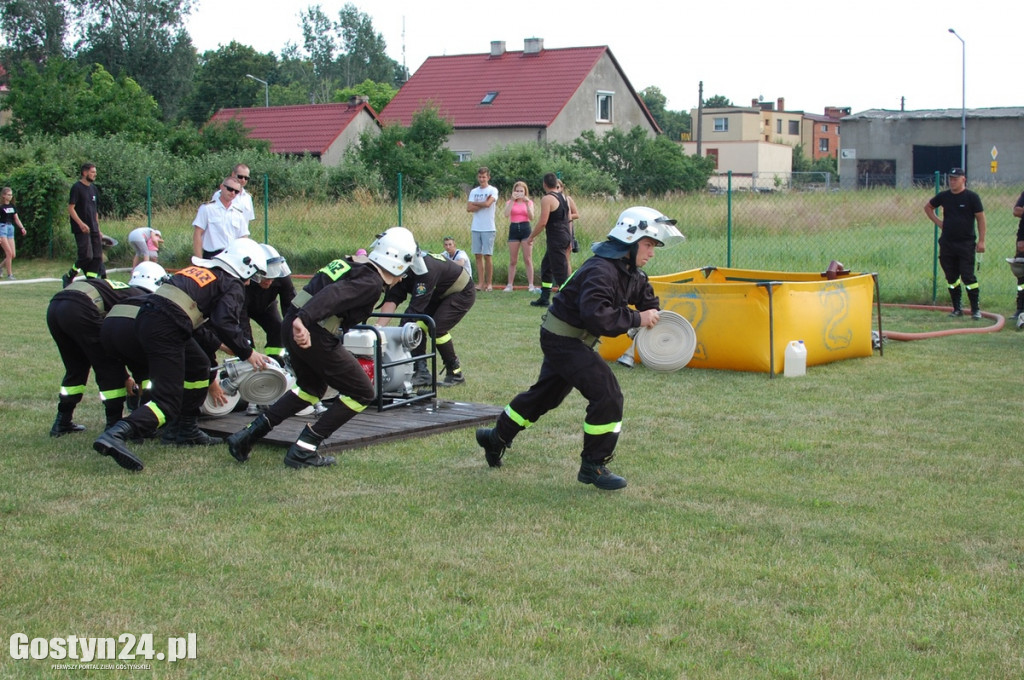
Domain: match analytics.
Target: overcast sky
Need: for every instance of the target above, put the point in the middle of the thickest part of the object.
(864, 55)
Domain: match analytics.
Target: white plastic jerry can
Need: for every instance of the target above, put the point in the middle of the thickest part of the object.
(796, 359)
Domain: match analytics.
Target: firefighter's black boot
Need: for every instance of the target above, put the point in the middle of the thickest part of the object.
(544, 300)
(599, 475)
(63, 425)
(493, 445)
(169, 432)
(422, 375)
(113, 443)
(240, 443)
(955, 296)
(303, 453)
(974, 295)
(189, 433)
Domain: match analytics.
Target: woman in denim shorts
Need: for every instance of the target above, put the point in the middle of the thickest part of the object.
(8, 221)
(519, 210)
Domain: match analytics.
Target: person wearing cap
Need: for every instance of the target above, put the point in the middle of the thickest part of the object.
(961, 208)
(608, 295)
(145, 241)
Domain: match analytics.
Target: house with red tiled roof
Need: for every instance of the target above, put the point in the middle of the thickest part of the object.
(323, 131)
(537, 95)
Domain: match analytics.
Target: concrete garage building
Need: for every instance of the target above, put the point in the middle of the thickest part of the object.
(906, 148)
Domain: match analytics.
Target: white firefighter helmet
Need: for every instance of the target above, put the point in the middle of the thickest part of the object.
(395, 251)
(147, 275)
(1016, 266)
(277, 266)
(640, 222)
(244, 258)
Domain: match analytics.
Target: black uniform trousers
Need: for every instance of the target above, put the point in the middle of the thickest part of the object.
(447, 313)
(957, 262)
(178, 368)
(269, 320)
(554, 268)
(325, 363)
(569, 364)
(75, 328)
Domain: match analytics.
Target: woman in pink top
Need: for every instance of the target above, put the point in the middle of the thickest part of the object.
(519, 211)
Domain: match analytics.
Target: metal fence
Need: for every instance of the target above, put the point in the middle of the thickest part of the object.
(799, 224)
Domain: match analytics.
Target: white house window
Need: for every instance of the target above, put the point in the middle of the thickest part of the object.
(721, 124)
(823, 145)
(604, 107)
(489, 98)
(463, 156)
(824, 127)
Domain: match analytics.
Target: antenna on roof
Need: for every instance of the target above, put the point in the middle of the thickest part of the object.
(405, 72)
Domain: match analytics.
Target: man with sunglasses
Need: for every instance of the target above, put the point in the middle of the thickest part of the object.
(220, 221)
(243, 199)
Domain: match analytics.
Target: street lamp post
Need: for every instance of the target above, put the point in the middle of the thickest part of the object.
(963, 100)
(266, 86)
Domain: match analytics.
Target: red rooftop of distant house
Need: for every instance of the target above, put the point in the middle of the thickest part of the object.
(531, 88)
(305, 128)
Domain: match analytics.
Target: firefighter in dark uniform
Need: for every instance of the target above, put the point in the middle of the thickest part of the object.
(445, 293)
(121, 341)
(74, 317)
(595, 301)
(339, 296)
(554, 222)
(261, 303)
(209, 290)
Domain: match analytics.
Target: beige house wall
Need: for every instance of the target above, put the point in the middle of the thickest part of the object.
(753, 163)
(349, 136)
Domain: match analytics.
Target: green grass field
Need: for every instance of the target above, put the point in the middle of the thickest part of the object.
(863, 521)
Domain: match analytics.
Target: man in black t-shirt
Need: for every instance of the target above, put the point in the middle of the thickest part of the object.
(958, 244)
(85, 226)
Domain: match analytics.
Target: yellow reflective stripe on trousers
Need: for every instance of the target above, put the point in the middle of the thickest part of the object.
(161, 419)
(971, 286)
(197, 384)
(306, 396)
(955, 284)
(354, 405)
(273, 351)
(516, 418)
(447, 337)
(607, 428)
(71, 390)
(113, 394)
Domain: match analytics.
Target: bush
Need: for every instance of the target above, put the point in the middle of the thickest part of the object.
(39, 193)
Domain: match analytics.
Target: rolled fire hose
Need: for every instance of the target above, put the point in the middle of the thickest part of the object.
(668, 345)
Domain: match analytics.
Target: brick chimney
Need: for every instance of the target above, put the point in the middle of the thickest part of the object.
(497, 48)
(782, 104)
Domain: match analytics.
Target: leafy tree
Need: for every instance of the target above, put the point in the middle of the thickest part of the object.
(673, 124)
(34, 30)
(417, 151)
(641, 164)
(143, 39)
(346, 52)
(62, 98)
(717, 102)
(221, 81)
(364, 50)
(379, 94)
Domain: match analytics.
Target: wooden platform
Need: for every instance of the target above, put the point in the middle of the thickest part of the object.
(370, 426)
